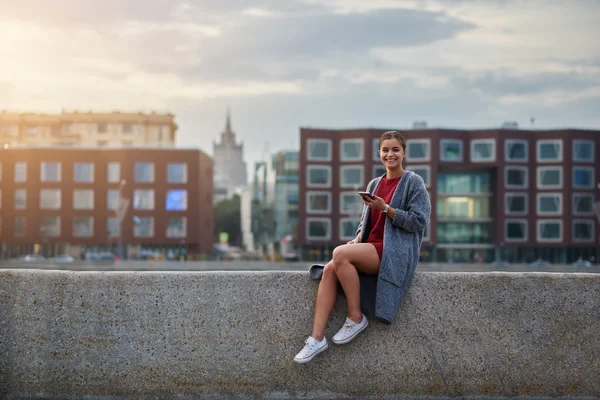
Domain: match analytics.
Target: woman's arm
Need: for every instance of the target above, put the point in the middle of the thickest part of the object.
(416, 217)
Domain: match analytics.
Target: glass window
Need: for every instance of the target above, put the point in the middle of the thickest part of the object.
(348, 228)
(378, 171)
(516, 177)
(113, 172)
(177, 227)
(483, 150)
(418, 150)
(50, 199)
(423, 171)
(143, 226)
(516, 150)
(102, 127)
(113, 227)
(515, 203)
(583, 150)
(144, 172)
(375, 149)
(583, 230)
(19, 224)
(50, 226)
(20, 199)
(20, 172)
(318, 176)
(549, 150)
(350, 203)
(351, 176)
(549, 177)
(83, 172)
(583, 177)
(549, 230)
(318, 228)
(319, 150)
(143, 199)
(549, 203)
(583, 203)
(83, 199)
(127, 128)
(83, 226)
(351, 149)
(464, 183)
(318, 202)
(451, 150)
(515, 230)
(176, 200)
(177, 173)
(463, 207)
(51, 171)
(112, 199)
(464, 232)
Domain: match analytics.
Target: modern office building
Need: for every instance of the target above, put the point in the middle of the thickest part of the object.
(285, 206)
(87, 129)
(516, 195)
(133, 202)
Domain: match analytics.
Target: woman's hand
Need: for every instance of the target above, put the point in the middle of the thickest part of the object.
(376, 202)
(355, 240)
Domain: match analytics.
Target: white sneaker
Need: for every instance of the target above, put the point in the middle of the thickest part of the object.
(311, 349)
(349, 330)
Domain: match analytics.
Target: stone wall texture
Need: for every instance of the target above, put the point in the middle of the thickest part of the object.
(142, 335)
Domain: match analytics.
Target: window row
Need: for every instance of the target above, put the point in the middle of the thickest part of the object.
(83, 172)
(83, 199)
(549, 177)
(549, 230)
(83, 227)
(549, 204)
(320, 229)
(482, 150)
(515, 177)
(352, 176)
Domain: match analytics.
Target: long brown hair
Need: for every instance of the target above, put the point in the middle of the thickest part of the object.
(393, 135)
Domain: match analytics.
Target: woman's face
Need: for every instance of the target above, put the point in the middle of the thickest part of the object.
(391, 153)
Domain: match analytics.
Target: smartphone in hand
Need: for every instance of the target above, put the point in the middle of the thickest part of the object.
(366, 196)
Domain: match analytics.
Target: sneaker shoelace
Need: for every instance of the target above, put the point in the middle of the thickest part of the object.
(310, 346)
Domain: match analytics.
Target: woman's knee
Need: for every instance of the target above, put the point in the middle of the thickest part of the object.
(339, 256)
(329, 272)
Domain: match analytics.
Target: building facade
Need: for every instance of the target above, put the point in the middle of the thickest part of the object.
(285, 206)
(506, 194)
(87, 129)
(132, 202)
(230, 168)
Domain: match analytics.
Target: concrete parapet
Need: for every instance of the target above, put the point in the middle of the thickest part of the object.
(144, 335)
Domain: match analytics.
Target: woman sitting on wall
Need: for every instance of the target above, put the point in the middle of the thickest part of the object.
(380, 262)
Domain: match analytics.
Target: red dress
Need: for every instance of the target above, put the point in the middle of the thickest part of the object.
(385, 190)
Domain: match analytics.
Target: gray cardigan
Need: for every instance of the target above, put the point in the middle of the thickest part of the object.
(381, 295)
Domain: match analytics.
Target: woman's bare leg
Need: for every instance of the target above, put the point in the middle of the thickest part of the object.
(326, 296)
(348, 260)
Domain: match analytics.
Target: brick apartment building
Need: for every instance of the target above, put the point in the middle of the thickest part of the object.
(516, 195)
(67, 201)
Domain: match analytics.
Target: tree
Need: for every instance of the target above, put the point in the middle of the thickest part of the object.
(228, 219)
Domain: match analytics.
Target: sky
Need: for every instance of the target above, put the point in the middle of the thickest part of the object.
(279, 65)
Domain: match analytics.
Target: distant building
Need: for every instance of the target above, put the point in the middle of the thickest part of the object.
(230, 168)
(510, 194)
(285, 205)
(68, 201)
(87, 129)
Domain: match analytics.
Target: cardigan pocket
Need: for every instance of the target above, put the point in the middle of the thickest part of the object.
(395, 272)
